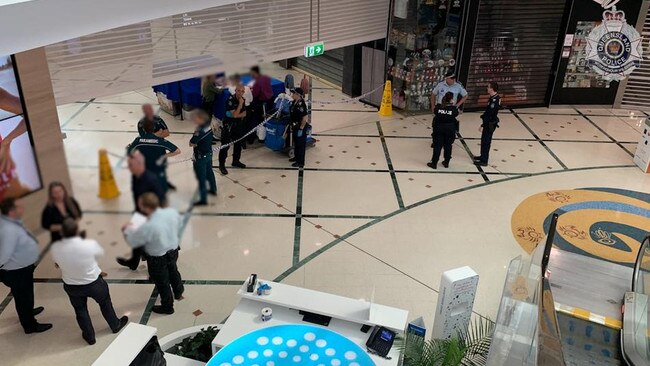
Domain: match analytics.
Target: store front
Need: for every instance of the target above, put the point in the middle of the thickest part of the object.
(423, 46)
(534, 49)
(634, 92)
(576, 81)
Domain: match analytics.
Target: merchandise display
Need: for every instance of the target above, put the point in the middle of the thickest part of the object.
(423, 47)
(578, 73)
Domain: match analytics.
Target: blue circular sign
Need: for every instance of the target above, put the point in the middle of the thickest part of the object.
(293, 344)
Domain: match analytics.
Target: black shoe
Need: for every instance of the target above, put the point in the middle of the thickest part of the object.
(238, 164)
(159, 309)
(38, 310)
(432, 144)
(90, 341)
(123, 322)
(171, 186)
(127, 263)
(432, 165)
(178, 297)
(39, 328)
(297, 165)
(292, 159)
(445, 163)
(223, 170)
(200, 203)
(213, 193)
(480, 163)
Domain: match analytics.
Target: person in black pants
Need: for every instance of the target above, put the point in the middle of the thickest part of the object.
(142, 181)
(234, 126)
(160, 237)
(299, 118)
(444, 130)
(76, 257)
(490, 123)
(18, 255)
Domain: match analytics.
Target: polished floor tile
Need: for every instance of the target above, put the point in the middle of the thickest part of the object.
(577, 155)
(549, 127)
(336, 226)
(332, 193)
(63, 345)
(364, 153)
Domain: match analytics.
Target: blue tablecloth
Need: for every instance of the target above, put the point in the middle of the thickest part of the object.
(189, 92)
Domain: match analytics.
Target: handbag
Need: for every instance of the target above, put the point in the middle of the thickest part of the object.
(151, 355)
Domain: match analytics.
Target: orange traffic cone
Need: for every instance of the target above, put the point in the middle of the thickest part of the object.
(386, 109)
(107, 185)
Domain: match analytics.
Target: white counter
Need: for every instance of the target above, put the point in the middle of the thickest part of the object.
(348, 315)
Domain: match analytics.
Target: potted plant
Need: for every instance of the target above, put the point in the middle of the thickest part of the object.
(198, 346)
(467, 349)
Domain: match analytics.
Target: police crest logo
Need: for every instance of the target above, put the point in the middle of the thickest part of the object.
(614, 47)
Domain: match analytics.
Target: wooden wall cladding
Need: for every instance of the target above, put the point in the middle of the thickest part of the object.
(41, 112)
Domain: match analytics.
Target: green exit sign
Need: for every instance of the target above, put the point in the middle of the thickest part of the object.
(314, 49)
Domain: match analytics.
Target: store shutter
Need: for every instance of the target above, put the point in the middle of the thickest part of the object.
(637, 87)
(515, 44)
(224, 38)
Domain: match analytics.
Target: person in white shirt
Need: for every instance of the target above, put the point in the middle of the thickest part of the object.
(77, 259)
(160, 238)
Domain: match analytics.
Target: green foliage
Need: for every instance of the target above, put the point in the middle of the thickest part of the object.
(467, 349)
(197, 347)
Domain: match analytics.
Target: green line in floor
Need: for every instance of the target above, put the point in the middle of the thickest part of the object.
(393, 176)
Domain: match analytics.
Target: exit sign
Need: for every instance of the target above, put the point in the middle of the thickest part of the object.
(314, 49)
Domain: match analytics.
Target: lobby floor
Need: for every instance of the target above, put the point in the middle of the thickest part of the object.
(365, 216)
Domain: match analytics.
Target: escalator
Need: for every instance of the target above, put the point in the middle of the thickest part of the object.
(635, 336)
(530, 331)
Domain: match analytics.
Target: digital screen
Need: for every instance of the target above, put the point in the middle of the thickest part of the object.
(386, 335)
(19, 173)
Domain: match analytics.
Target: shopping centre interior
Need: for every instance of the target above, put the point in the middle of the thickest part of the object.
(423, 253)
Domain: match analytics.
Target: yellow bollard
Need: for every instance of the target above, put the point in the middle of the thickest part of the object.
(386, 109)
(107, 185)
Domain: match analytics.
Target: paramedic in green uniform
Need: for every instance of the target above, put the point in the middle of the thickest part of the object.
(201, 142)
(155, 150)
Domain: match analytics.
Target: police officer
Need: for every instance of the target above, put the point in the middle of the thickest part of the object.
(444, 130)
(449, 85)
(490, 123)
(233, 126)
(156, 150)
(298, 117)
(201, 141)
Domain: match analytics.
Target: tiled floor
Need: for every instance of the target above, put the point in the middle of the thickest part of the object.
(366, 213)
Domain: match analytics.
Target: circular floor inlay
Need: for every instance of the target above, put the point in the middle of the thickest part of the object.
(604, 223)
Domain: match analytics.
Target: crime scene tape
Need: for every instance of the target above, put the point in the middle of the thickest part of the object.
(190, 156)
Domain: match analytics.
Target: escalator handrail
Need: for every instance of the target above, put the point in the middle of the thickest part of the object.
(639, 258)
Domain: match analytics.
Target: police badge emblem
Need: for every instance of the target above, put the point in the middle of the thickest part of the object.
(614, 47)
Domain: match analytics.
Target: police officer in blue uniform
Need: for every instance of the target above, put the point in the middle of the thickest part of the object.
(156, 150)
(234, 125)
(299, 117)
(449, 85)
(444, 130)
(201, 141)
(490, 123)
